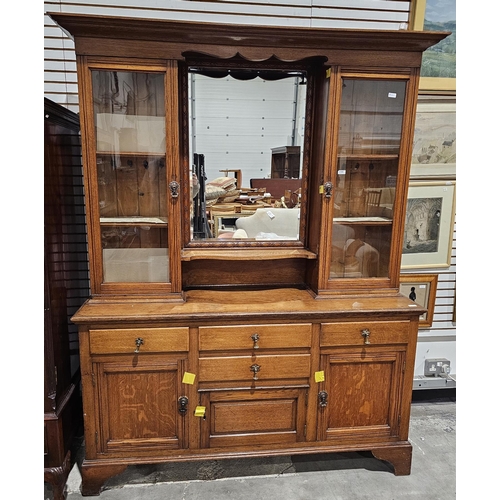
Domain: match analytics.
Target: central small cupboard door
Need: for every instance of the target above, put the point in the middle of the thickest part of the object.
(138, 406)
(250, 417)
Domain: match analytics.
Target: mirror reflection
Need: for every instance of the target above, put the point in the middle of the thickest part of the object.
(246, 147)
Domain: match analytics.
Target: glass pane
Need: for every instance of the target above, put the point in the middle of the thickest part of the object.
(129, 112)
(370, 124)
(246, 146)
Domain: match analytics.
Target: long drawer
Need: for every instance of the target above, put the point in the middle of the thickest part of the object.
(280, 336)
(130, 340)
(263, 367)
(364, 333)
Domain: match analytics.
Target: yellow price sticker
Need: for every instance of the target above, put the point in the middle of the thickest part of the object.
(319, 376)
(188, 378)
(199, 411)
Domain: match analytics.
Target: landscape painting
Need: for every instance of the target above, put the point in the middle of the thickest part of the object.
(434, 141)
(440, 61)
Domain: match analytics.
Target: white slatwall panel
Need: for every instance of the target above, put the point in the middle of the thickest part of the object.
(439, 341)
(60, 66)
(236, 131)
(60, 69)
(376, 14)
(61, 83)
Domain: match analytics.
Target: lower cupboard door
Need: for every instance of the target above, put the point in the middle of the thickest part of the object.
(250, 417)
(363, 397)
(138, 408)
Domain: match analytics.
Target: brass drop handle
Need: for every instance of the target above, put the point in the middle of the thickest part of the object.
(255, 368)
(174, 189)
(183, 405)
(255, 337)
(366, 333)
(138, 343)
(323, 399)
(328, 189)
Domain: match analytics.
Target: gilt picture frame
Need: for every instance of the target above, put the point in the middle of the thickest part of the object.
(438, 70)
(429, 225)
(421, 288)
(434, 139)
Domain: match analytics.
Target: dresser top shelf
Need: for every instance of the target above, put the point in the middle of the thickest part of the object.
(254, 305)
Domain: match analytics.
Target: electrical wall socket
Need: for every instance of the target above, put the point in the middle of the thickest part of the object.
(438, 367)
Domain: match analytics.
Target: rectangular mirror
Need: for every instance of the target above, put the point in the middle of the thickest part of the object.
(246, 148)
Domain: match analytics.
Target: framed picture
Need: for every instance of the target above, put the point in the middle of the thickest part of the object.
(430, 216)
(438, 62)
(434, 140)
(421, 288)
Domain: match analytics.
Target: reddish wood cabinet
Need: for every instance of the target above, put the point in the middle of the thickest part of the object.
(66, 286)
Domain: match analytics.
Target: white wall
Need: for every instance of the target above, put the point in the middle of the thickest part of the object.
(60, 67)
(235, 123)
(439, 341)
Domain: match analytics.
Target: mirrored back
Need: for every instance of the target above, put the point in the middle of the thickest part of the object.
(246, 136)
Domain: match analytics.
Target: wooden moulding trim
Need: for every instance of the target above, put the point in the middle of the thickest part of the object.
(58, 114)
(247, 254)
(259, 306)
(188, 33)
(253, 452)
(150, 49)
(63, 400)
(237, 317)
(356, 292)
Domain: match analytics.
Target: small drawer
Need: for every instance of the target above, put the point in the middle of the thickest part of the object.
(217, 338)
(365, 333)
(127, 341)
(244, 368)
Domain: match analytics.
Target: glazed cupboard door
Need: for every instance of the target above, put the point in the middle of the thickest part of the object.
(132, 167)
(370, 168)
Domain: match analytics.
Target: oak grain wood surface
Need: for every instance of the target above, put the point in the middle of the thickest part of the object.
(248, 348)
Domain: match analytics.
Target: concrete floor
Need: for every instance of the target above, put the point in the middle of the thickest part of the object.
(342, 476)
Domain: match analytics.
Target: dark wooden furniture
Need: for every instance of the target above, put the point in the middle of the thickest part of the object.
(277, 187)
(66, 286)
(203, 348)
(285, 162)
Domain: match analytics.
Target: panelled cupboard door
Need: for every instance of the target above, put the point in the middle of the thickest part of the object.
(137, 405)
(254, 417)
(363, 395)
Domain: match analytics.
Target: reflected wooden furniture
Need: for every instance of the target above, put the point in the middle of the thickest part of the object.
(285, 162)
(190, 367)
(372, 201)
(66, 286)
(277, 187)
